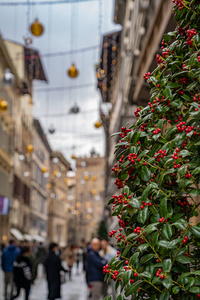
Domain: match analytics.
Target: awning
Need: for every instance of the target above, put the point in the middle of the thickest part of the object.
(38, 238)
(17, 234)
(28, 237)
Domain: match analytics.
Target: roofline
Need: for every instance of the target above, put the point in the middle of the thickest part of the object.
(9, 62)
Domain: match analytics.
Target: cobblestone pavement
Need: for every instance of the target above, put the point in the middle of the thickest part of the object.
(75, 289)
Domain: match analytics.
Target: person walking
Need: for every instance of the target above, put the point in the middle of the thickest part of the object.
(95, 264)
(53, 267)
(8, 257)
(23, 273)
(70, 257)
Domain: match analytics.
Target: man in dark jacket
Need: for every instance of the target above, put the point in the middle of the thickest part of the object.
(95, 269)
(8, 257)
(23, 273)
(53, 267)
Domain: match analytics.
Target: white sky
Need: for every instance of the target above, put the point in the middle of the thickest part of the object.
(71, 130)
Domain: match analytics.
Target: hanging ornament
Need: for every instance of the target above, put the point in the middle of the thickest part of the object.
(51, 129)
(73, 156)
(28, 40)
(29, 148)
(93, 191)
(21, 157)
(74, 110)
(44, 169)
(8, 78)
(26, 174)
(94, 178)
(98, 124)
(86, 177)
(36, 28)
(73, 72)
(55, 160)
(3, 105)
(55, 173)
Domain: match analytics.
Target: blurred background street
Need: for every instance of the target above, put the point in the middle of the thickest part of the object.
(75, 289)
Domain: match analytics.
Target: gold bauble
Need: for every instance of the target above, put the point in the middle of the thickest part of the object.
(37, 28)
(29, 148)
(98, 124)
(86, 177)
(73, 72)
(94, 178)
(44, 169)
(48, 185)
(3, 105)
(55, 173)
(73, 156)
(93, 192)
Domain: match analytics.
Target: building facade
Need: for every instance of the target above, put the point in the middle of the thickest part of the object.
(89, 206)
(16, 134)
(39, 183)
(58, 199)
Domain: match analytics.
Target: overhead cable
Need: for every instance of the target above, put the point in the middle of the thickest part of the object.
(42, 2)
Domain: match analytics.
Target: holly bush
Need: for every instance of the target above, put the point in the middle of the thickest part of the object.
(158, 172)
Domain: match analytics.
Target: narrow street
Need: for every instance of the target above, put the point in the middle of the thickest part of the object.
(71, 290)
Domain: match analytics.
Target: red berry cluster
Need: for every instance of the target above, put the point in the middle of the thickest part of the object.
(137, 112)
(175, 155)
(198, 57)
(165, 53)
(161, 220)
(186, 254)
(131, 157)
(196, 97)
(118, 183)
(160, 154)
(179, 3)
(145, 204)
(124, 132)
(158, 274)
(132, 280)
(183, 202)
(163, 44)
(183, 80)
(190, 34)
(188, 174)
(185, 239)
(147, 75)
(122, 224)
(159, 59)
(143, 127)
(111, 233)
(156, 131)
(116, 168)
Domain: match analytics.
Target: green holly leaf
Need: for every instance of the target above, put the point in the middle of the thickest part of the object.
(167, 282)
(164, 295)
(183, 259)
(145, 174)
(142, 215)
(146, 258)
(167, 231)
(167, 264)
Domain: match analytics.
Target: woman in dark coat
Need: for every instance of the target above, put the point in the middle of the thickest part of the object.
(53, 267)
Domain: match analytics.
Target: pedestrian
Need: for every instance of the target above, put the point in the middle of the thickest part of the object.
(53, 267)
(79, 255)
(95, 266)
(40, 257)
(8, 257)
(108, 252)
(23, 272)
(70, 257)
